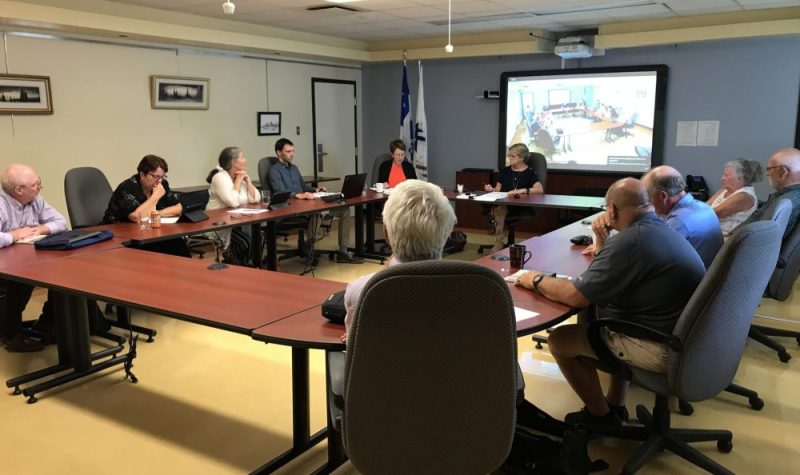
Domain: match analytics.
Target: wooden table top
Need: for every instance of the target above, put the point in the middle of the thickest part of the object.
(552, 252)
(18, 255)
(541, 200)
(257, 184)
(236, 298)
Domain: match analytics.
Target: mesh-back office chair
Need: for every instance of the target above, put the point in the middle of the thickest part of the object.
(284, 226)
(88, 192)
(782, 280)
(704, 349)
(447, 405)
(376, 165)
(538, 163)
(544, 141)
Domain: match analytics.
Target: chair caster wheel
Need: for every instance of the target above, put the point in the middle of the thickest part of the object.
(756, 403)
(149, 339)
(685, 408)
(32, 399)
(17, 391)
(798, 339)
(539, 345)
(784, 356)
(725, 446)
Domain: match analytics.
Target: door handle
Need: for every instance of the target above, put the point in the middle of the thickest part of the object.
(320, 156)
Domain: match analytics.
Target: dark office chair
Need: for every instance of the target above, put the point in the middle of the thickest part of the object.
(88, 192)
(286, 226)
(704, 349)
(782, 281)
(376, 165)
(538, 163)
(448, 405)
(544, 141)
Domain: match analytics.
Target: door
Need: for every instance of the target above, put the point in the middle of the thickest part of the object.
(334, 111)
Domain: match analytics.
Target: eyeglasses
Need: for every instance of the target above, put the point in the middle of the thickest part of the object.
(157, 177)
(769, 169)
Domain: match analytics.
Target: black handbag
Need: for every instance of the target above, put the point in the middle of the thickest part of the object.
(333, 308)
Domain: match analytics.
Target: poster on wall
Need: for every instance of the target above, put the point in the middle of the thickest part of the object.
(169, 92)
(20, 94)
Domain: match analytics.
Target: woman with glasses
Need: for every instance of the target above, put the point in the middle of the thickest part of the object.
(145, 191)
(736, 199)
(516, 179)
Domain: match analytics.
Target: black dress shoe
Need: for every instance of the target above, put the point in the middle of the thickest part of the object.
(586, 418)
(348, 258)
(24, 344)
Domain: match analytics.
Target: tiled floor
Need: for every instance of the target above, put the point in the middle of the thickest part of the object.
(210, 401)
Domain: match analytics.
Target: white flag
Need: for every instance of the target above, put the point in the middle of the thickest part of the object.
(421, 134)
(406, 132)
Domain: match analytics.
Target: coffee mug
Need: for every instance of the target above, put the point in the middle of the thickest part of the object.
(519, 256)
(379, 187)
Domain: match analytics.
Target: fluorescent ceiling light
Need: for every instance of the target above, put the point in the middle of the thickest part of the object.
(342, 1)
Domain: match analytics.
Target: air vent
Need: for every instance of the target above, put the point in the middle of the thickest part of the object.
(333, 10)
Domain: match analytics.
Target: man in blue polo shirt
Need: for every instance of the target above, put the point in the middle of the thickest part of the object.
(692, 219)
(285, 176)
(645, 273)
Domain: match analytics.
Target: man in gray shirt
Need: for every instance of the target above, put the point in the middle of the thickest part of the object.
(645, 273)
(23, 214)
(285, 176)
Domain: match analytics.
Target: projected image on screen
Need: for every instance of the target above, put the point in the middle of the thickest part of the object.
(585, 121)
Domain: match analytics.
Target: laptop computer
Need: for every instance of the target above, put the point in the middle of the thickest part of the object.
(353, 186)
(193, 204)
(279, 200)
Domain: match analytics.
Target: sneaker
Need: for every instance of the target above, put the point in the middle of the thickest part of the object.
(348, 258)
(586, 418)
(24, 344)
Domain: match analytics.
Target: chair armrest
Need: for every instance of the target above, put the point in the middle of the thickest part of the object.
(636, 330)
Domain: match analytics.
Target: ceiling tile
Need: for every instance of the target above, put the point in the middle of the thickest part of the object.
(418, 12)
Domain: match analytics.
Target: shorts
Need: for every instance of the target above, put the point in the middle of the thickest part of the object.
(644, 354)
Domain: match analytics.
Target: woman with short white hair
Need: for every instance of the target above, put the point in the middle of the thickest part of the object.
(736, 199)
(417, 220)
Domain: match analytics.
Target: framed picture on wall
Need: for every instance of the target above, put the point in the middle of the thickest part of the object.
(169, 92)
(21, 94)
(269, 123)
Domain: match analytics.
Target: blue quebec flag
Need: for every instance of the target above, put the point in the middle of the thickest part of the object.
(405, 113)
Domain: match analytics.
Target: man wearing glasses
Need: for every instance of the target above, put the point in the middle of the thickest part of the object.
(783, 171)
(23, 215)
(145, 191)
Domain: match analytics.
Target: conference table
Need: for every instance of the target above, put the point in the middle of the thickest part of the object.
(270, 307)
(552, 252)
(233, 298)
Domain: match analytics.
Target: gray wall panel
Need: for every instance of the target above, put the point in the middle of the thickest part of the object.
(750, 86)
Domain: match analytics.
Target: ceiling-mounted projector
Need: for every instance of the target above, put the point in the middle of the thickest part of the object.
(574, 47)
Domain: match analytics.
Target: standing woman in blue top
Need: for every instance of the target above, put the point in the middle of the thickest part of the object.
(516, 179)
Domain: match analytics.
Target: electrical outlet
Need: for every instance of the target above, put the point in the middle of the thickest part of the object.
(298, 130)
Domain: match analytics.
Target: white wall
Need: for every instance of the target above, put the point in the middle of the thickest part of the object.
(102, 115)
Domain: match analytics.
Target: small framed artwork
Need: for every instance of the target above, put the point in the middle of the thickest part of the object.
(169, 92)
(269, 123)
(25, 94)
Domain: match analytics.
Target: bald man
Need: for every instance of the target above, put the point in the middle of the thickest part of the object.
(645, 273)
(23, 213)
(693, 219)
(783, 171)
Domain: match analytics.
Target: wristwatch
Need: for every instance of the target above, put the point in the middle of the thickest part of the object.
(536, 280)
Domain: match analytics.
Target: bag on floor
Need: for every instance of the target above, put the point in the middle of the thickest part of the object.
(455, 243)
(239, 250)
(544, 445)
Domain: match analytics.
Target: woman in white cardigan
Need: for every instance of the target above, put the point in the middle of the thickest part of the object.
(230, 186)
(736, 199)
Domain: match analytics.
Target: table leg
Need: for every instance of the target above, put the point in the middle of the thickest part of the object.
(370, 244)
(272, 245)
(336, 452)
(359, 225)
(302, 440)
(255, 237)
